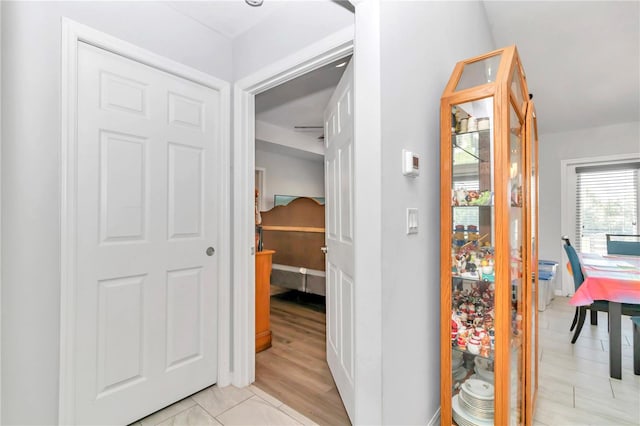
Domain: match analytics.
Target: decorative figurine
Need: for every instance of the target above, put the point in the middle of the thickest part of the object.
(460, 197)
(473, 345)
(481, 199)
(462, 338)
(485, 345)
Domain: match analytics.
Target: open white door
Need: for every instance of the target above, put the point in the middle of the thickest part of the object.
(338, 123)
(147, 209)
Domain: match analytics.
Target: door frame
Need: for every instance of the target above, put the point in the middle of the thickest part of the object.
(327, 50)
(72, 34)
(0, 213)
(365, 42)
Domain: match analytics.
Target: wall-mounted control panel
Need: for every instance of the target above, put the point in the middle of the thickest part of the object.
(410, 163)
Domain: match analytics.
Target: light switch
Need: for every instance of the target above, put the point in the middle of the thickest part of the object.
(412, 221)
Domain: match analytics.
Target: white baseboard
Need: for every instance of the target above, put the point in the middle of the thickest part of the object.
(435, 420)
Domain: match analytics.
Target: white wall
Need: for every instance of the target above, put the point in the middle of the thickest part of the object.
(610, 140)
(31, 34)
(288, 138)
(421, 42)
(288, 30)
(0, 213)
(287, 174)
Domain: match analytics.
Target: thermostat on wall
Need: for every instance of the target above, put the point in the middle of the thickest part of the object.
(410, 163)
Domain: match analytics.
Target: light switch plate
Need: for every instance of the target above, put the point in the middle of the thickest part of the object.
(412, 221)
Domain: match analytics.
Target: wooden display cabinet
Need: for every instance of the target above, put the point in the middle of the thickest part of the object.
(488, 243)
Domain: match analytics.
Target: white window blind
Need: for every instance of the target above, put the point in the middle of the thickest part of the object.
(606, 203)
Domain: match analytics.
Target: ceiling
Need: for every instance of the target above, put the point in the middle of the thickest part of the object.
(230, 18)
(582, 59)
(301, 102)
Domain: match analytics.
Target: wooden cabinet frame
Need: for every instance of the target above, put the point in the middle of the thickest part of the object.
(513, 116)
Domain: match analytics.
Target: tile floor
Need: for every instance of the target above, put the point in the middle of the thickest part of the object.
(575, 387)
(226, 406)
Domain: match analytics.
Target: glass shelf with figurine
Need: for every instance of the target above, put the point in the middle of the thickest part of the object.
(461, 197)
(475, 276)
(466, 351)
(471, 258)
(473, 317)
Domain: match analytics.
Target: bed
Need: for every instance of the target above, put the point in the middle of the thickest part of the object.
(296, 232)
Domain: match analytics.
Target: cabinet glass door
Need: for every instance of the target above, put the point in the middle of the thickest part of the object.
(532, 160)
(472, 260)
(517, 225)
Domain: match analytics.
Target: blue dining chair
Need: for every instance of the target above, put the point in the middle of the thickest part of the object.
(578, 279)
(628, 309)
(623, 244)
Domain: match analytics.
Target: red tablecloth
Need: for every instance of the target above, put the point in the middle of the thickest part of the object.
(609, 277)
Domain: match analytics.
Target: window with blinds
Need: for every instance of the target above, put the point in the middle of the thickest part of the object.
(606, 203)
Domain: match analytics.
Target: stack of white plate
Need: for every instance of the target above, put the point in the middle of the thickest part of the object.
(473, 406)
(463, 419)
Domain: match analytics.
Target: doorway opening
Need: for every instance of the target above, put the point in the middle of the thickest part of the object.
(325, 51)
(291, 362)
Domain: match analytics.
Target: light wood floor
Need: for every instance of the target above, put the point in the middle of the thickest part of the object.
(575, 387)
(294, 369)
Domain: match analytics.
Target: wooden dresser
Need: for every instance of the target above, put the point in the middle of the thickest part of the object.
(263, 294)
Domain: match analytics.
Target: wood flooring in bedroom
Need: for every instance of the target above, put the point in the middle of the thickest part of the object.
(295, 369)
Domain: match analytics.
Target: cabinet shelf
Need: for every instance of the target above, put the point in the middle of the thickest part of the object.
(464, 351)
(488, 278)
(474, 132)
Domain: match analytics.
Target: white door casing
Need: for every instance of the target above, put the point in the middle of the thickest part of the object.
(148, 207)
(340, 281)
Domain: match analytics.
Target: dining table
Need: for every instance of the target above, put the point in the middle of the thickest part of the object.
(616, 279)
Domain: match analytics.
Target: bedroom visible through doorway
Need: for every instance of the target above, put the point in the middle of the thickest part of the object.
(290, 180)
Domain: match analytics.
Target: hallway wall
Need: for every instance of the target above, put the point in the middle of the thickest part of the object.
(420, 44)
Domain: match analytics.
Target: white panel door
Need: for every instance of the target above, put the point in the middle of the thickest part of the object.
(146, 332)
(338, 123)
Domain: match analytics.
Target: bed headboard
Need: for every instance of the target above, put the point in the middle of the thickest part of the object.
(296, 233)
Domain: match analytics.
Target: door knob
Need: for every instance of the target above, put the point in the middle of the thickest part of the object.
(210, 251)
(323, 249)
